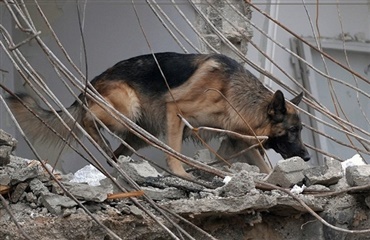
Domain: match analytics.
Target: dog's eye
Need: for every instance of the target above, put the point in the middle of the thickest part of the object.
(294, 129)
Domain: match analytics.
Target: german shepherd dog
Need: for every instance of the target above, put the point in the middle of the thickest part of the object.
(206, 89)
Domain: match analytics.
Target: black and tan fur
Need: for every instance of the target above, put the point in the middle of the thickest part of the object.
(137, 89)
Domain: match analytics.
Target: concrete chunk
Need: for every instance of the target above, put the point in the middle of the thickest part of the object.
(18, 191)
(4, 179)
(239, 185)
(138, 170)
(358, 175)
(5, 152)
(317, 188)
(164, 194)
(85, 192)
(7, 145)
(38, 187)
(225, 206)
(24, 174)
(240, 166)
(326, 175)
(288, 172)
(7, 139)
(54, 202)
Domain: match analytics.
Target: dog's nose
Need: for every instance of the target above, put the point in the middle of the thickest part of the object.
(305, 155)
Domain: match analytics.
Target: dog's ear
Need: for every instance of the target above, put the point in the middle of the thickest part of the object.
(296, 100)
(277, 109)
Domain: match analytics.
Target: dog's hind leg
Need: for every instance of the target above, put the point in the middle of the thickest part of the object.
(124, 99)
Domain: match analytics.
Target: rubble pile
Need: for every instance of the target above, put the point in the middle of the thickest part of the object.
(230, 208)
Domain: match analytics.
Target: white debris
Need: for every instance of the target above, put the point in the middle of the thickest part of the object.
(297, 189)
(226, 179)
(88, 174)
(356, 160)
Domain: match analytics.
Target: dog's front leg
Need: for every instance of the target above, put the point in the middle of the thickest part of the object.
(175, 128)
(254, 157)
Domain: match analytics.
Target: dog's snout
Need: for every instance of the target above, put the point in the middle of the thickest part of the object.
(305, 155)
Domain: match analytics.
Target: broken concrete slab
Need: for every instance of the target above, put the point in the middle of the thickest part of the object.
(358, 175)
(340, 185)
(7, 139)
(317, 188)
(4, 179)
(223, 206)
(5, 152)
(7, 145)
(260, 211)
(326, 175)
(240, 184)
(163, 194)
(18, 191)
(23, 174)
(288, 172)
(169, 181)
(136, 211)
(37, 187)
(139, 168)
(219, 206)
(55, 202)
(240, 166)
(84, 192)
(286, 205)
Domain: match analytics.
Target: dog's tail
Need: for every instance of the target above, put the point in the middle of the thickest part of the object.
(45, 128)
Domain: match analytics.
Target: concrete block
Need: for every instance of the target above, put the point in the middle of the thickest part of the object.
(179, 183)
(24, 174)
(5, 152)
(317, 188)
(288, 172)
(239, 185)
(7, 139)
(240, 166)
(340, 185)
(138, 170)
(164, 194)
(7, 145)
(136, 211)
(4, 179)
(18, 191)
(37, 187)
(85, 192)
(358, 175)
(326, 175)
(54, 202)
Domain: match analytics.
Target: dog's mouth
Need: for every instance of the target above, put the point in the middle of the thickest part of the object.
(303, 153)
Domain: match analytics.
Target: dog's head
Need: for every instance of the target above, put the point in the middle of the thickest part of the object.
(286, 127)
